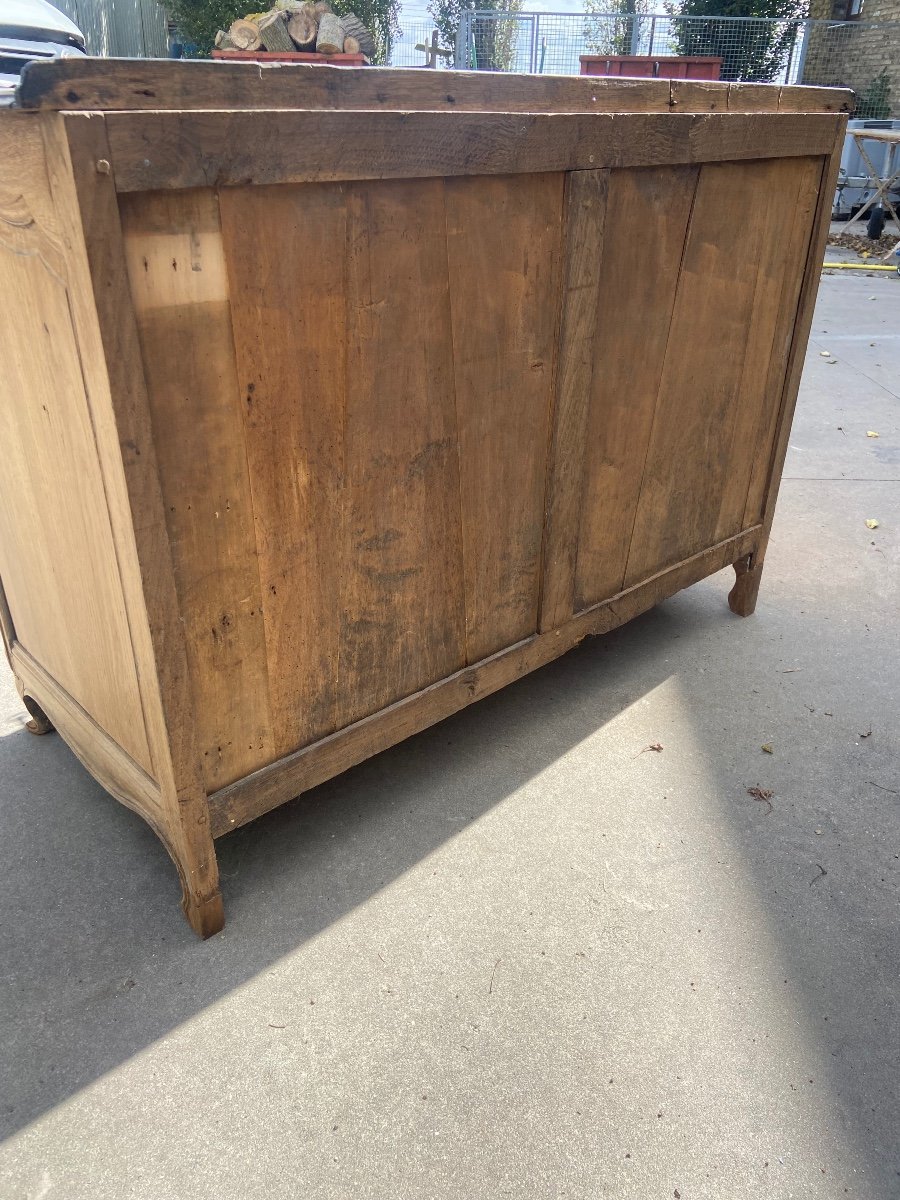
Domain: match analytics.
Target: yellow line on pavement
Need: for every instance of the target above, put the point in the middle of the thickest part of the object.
(856, 267)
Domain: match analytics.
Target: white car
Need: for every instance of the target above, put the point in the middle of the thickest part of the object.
(31, 30)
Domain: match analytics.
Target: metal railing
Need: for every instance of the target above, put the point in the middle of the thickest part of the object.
(864, 55)
(124, 28)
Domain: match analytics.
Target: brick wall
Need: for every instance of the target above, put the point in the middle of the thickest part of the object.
(854, 52)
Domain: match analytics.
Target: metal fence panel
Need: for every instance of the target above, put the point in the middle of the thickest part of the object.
(863, 55)
(120, 28)
(413, 33)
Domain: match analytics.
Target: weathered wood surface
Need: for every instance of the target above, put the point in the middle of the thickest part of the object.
(358, 33)
(57, 550)
(98, 83)
(584, 236)
(303, 30)
(696, 474)
(245, 35)
(296, 773)
(504, 244)
(772, 446)
(638, 279)
(273, 31)
(351, 445)
(176, 268)
(330, 37)
(362, 450)
(168, 150)
(111, 357)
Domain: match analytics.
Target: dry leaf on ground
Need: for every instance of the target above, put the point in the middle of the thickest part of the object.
(764, 795)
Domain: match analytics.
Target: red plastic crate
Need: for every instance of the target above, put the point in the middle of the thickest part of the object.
(645, 66)
(342, 60)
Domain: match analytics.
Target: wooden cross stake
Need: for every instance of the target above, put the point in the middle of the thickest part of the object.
(433, 51)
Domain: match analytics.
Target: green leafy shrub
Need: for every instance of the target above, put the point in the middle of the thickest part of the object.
(874, 103)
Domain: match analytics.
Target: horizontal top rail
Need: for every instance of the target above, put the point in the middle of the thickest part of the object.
(96, 84)
(160, 150)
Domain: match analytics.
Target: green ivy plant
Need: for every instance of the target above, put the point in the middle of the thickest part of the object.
(874, 104)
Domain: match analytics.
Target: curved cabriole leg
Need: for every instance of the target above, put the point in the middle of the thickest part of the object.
(40, 723)
(194, 855)
(742, 597)
(181, 821)
(206, 916)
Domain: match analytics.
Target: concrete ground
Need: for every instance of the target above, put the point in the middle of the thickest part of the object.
(839, 251)
(520, 955)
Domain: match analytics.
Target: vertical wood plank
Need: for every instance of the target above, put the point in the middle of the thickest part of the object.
(176, 270)
(688, 459)
(402, 601)
(805, 308)
(646, 225)
(342, 327)
(585, 213)
(793, 187)
(504, 238)
(769, 463)
(285, 250)
(763, 441)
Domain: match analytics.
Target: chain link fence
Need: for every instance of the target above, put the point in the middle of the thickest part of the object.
(863, 55)
(413, 33)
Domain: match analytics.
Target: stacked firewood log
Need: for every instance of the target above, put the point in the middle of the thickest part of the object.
(299, 25)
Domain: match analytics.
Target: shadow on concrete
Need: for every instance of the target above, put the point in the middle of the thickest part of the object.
(91, 897)
(98, 962)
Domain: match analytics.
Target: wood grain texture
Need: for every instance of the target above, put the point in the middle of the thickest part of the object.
(806, 305)
(7, 625)
(700, 95)
(800, 98)
(504, 247)
(176, 269)
(401, 596)
(331, 515)
(285, 251)
(108, 337)
(351, 440)
(81, 213)
(57, 555)
(794, 186)
(283, 780)
(638, 278)
(585, 221)
(77, 83)
(691, 453)
(215, 149)
(764, 439)
(742, 599)
(101, 754)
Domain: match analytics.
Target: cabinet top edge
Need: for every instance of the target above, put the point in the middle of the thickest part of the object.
(104, 84)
